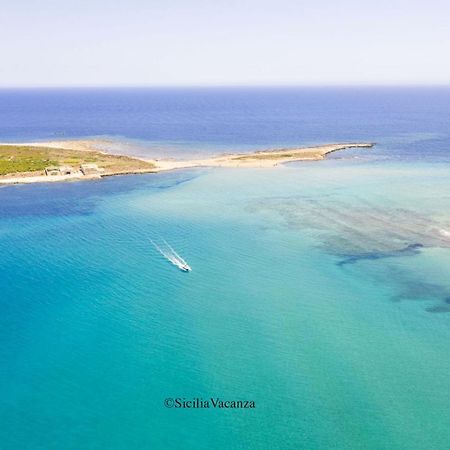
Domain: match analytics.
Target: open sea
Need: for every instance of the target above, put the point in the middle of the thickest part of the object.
(320, 290)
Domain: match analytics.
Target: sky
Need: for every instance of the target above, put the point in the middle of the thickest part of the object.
(223, 42)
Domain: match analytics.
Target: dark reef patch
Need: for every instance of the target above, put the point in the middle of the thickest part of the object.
(439, 309)
(359, 228)
(423, 291)
(409, 250)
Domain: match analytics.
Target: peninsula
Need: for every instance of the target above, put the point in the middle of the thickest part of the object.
(86, 159)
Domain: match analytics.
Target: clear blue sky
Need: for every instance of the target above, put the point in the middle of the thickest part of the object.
(216, 42)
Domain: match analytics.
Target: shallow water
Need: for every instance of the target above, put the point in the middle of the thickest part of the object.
(319, 290)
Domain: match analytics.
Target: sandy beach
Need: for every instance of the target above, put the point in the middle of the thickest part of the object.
(261, 159)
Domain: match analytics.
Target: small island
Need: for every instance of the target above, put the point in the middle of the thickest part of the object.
(33, 163)
(85, 159)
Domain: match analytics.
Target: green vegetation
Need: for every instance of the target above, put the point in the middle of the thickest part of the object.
(279, 155)
(15, 159)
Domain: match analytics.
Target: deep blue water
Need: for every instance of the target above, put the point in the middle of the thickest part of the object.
(406, 122)
(319, 290)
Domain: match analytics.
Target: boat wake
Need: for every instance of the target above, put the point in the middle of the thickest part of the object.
(172, 256)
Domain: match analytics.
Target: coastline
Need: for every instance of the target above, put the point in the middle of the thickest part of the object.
(263, 158)
(258, 159)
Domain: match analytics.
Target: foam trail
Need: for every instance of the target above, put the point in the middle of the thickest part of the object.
(166, 255)
(174, 252)
(172, 256)
(161, 251)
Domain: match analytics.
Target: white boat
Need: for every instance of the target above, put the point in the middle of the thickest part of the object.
(184, 267)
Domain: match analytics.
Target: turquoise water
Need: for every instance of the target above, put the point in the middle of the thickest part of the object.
(319, 290)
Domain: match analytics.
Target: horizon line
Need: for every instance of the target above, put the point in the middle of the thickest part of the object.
(226, 86)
